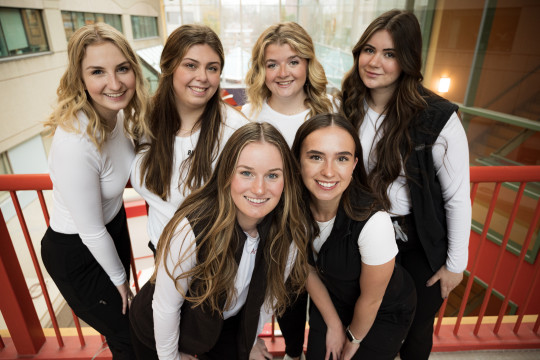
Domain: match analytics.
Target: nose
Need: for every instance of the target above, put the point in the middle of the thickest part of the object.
(328, 169)
(202, 75)
(283, 71)
(114, 82)
(258, 186)
(375, 60)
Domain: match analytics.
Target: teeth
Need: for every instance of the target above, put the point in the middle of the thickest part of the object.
(255, 200)
(285, 82)
(326, 184)
(115, 95)
(198, 89)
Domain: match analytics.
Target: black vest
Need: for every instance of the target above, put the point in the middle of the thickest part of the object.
(200, 330)
(426, 194)
(339, 265)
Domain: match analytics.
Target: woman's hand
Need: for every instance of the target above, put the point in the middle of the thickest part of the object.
(259, 351)
(449, 280)
(335, 339)
(349, 350)
(126, 295)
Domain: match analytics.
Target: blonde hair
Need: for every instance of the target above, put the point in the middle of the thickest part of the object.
(212, 211)
(298, 39)
(72, 96)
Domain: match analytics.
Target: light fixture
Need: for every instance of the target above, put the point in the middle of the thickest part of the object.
(444, 84)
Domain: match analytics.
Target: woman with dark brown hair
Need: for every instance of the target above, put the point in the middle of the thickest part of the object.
(416, 156)
(187, 107)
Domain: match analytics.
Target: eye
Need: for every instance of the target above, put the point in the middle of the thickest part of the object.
(245, 173)
(315, 157)
(124, 69)
(343, 158)
(368, 50)
(273, 176)
(190, 65)
(390, 55)
(294, 62)
(213, 68)
(97, 72)
(271, 66)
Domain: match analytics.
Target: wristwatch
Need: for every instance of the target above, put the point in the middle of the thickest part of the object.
(351, 337)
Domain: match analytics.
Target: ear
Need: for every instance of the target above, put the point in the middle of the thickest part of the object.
(355, 162)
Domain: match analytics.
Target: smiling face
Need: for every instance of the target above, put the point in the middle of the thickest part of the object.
(257, 183)
(327, 162)
(108, 79)
(196, 78)
(286, 72)
(377, 64)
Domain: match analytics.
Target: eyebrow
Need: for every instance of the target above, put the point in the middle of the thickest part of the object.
(95, 67)
(198, 62)
(250, 168)
(388, 49)
(317, 152)
(289, 58)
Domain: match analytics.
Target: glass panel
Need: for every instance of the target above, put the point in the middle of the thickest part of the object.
(22, 32)
(144, 26)
(69, 26)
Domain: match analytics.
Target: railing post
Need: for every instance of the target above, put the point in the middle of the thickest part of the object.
(16, 304)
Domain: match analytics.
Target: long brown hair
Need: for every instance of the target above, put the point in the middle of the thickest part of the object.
(298, 39)
(72, 96)
(164, 120)
(357, 200)
(212, 210)
(408, 100)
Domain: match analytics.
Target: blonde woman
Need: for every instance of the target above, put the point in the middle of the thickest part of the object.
(285, 83)
(223, 259)
(86, 249)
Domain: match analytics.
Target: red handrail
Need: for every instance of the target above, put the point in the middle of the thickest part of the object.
(459, 337)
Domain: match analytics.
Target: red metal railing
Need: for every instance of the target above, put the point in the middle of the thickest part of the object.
(27, 337)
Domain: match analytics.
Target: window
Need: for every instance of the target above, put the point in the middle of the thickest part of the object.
(21, 32)
(144, 27)
(74, 20)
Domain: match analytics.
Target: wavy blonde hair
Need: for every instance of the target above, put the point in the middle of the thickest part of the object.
(72, 96)
(298, 39)
(212, 211)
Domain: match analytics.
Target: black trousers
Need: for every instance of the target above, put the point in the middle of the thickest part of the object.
(225, 348)
(86, 287)
(419, 341)
(293, 326)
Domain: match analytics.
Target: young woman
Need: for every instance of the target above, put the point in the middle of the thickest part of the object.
(354, 282)
(86, 249)
(285, 84)
(418, 163)
(186, 107)
(224, 257)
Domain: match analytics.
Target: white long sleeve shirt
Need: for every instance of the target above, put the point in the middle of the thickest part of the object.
(451, 162)
(167, 300)
(160, 212)
(88, 187)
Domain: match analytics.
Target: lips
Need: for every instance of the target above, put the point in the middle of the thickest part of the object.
(327, 185)
(198, 90)
(284, 83)
(256, 201)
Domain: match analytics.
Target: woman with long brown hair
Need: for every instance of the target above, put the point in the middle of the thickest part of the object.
(187, 107)
(416, 156)
(223, 259)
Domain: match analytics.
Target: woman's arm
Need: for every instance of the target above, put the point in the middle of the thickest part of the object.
(451, 160)
(335, 335)
(167, 299)
(373, 282)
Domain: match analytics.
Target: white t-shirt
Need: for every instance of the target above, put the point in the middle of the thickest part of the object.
(159, 211)
(287, 124)
(167, 300)
(88, 187)
(451, 162)
(376, 242)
